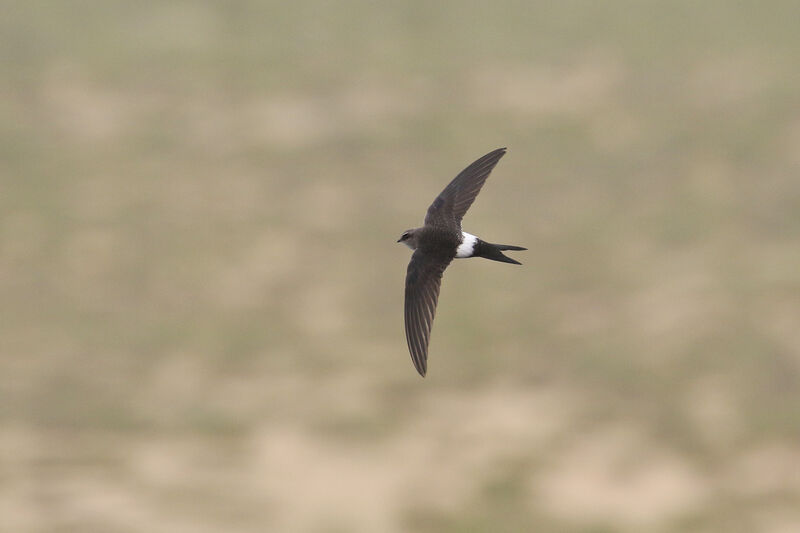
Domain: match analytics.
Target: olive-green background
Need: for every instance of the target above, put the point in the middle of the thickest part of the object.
(201, 293)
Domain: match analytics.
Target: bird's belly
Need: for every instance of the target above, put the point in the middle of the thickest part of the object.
(467, 246)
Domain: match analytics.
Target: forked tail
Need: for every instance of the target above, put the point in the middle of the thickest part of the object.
(494, 252)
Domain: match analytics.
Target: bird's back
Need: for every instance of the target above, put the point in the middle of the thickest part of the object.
(438, 241)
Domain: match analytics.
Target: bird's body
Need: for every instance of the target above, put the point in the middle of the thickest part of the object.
(436, 244)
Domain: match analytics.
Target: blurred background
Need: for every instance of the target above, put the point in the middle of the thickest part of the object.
(201, 294)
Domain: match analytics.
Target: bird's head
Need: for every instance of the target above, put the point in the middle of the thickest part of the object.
(409, 238)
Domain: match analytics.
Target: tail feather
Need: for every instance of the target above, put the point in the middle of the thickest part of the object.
(503, 258)
(493, 251)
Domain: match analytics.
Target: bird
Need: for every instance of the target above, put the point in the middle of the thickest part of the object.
(436, 244)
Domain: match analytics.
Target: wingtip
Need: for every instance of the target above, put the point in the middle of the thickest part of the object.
(495, 154)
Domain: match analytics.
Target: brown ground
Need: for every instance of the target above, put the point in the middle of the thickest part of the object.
(200, 327)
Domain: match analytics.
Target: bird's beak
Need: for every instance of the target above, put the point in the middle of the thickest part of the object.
(400, 240)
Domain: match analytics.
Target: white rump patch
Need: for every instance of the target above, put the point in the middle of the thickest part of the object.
(467, 245)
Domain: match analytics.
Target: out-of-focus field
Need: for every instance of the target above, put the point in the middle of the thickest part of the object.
(201, 293)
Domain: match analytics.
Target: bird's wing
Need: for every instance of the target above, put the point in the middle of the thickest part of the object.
(423, 279)
(449, 207)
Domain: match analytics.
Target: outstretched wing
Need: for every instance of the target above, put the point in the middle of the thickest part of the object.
(449, 207)
(423, 279)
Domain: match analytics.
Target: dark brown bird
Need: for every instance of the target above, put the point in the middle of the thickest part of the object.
(436, 244)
